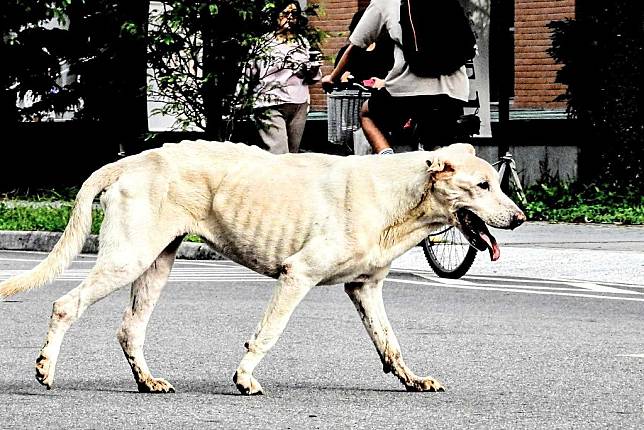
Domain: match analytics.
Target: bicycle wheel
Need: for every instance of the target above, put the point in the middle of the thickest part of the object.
(448, 252)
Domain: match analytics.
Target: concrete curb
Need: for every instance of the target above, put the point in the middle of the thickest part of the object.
(44, 241)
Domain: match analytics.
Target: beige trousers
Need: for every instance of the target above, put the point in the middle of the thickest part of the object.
(283, 126)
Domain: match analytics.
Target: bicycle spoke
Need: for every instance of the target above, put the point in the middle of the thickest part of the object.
(448, 252)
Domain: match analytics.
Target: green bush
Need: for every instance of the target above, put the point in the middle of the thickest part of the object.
(33, 217)
(18, 215)
(602, 58)
(565, 202)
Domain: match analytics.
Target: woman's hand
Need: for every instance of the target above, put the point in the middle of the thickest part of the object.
(327, 82)
(311, 72)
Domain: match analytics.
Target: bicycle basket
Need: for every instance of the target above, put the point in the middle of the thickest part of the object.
(343, 110)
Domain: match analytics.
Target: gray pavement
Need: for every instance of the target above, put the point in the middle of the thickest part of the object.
(549, 336)
(514, 352)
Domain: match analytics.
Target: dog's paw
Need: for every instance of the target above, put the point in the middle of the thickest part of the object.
(425, 384)
(155, 385)
(45, 371)
(246, 384)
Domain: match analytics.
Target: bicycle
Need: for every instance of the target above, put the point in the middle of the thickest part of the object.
(508, 171)
(447, 250)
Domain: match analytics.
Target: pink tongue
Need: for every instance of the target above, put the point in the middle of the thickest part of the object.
(492, 246)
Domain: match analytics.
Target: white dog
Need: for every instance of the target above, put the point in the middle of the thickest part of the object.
(303, 219)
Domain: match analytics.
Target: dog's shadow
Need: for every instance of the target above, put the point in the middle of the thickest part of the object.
(274, 388)
(203, 387)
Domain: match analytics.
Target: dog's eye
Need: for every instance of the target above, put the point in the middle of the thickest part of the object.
(485, 185)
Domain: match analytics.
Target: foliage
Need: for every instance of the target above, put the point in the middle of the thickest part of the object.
(34, 217)
(60, 194)
(602, 53)
(197, 52)
(31, 54)
(108, 38)
(77, 55)
(20, 215)
(558, 201)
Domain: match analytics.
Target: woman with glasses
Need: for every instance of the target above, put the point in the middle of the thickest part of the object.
(282, 68)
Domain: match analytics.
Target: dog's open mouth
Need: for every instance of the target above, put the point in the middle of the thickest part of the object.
(477, 233)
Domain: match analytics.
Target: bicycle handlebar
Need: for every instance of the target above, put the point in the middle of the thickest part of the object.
(341, 86)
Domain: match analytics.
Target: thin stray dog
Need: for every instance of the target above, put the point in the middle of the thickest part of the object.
(303, 219)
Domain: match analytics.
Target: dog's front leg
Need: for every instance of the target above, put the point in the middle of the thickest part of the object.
(289, 292)
(367, 298)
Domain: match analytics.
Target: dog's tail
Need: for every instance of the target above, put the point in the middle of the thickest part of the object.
(73, 238)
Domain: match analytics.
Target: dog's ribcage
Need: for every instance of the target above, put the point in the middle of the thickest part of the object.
(258, 222)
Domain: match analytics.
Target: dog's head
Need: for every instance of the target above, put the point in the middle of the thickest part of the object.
(467, 188)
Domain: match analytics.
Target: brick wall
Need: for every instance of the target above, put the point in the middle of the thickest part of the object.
(334, 19)
(535, 70)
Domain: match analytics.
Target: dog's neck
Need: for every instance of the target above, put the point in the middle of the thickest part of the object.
(405, 232)
(405, 220)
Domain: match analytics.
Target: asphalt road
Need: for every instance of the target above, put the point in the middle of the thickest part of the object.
(514, 350)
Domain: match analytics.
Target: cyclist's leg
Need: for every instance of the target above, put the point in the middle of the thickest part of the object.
(372, 132)
(379, 116)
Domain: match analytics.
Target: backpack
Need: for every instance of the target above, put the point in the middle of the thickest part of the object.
(437, 38)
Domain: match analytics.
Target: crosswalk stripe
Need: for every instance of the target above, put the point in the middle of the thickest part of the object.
(226, 271)
(548, 281)
(521, 290)
(575, 285)
(601, 288)
(446, 281)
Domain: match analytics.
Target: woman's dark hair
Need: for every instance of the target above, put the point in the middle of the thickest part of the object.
(280, 5)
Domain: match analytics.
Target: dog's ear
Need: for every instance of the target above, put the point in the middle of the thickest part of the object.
(439, 168)
(460, 147)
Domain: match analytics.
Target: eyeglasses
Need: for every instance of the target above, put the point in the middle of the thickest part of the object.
(289, 13)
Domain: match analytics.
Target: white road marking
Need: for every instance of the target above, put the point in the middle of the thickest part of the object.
(227, 271)
(178, 274)
(430, 275)
(33, 260)
(631, 355)
(446, 281)
(601, 288)
(524, 284)
(500, 278)
(550, 281)
(519, 290)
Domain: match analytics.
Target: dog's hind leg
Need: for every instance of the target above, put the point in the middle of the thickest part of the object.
(112, 271)
(289, 292)
(131, 335)
(367, 298)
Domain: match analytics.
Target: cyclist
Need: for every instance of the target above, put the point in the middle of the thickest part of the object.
(435, 104)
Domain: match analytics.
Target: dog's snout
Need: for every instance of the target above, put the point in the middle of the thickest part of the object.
(517, 219)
